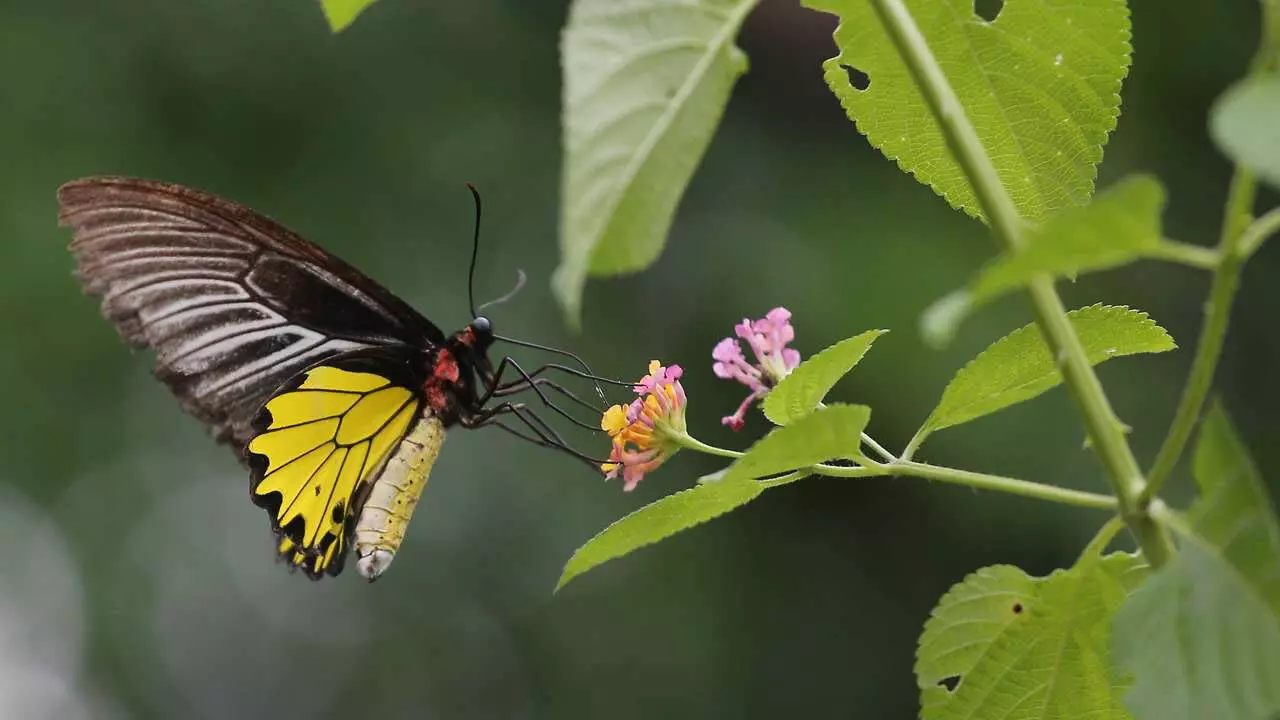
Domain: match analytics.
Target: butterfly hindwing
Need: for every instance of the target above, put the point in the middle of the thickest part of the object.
(319, 441)
(233, 303)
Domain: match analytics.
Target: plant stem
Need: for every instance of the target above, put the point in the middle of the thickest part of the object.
(914, 444)
(1217, 314)
(693, 443)
(1101, 423)
(1186, 254)
(1257, 233)
(980, 481)
(878, 448)
(1103, 537)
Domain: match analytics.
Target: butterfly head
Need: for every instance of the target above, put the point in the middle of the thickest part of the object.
(482, 332)
(473, 340)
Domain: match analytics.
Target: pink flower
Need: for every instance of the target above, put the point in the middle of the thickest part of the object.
(648, 431)
(768, 338)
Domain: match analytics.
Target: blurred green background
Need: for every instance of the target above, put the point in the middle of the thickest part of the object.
(139, 581)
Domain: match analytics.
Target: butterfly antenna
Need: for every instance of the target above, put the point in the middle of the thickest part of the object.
(475, 253)
(520, 278)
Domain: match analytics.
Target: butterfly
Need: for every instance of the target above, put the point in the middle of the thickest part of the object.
(333, 391)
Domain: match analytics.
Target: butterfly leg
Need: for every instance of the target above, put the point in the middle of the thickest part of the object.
(495, 387)
(550, 385)
(539, 432)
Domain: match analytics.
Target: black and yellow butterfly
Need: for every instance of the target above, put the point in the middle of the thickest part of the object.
(332, 390)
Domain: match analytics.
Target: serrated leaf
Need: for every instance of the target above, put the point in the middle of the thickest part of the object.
(660, 520)
(1040, 84)
(1121, 225)
(341, 13)
(1019, 366)
(960, 630)
(645, 84)
(1007, 645)
(801, 391)
(830, 433)
(1244, 125)
(1202, 637)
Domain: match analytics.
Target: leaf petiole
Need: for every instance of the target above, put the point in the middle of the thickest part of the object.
(1186, 254)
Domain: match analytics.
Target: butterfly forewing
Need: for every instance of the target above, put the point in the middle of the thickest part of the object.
(234, 304)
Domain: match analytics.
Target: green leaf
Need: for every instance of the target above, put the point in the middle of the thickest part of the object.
(645, 84)
(1003, 644)
(1121, 225)
(1019, 366)
(341, 13)
(1244, 125)
(1234, 513)
(801, 391)
(659, 520)
(832, 432)
(1199, 642)
(1202, 637)
(1040, 84)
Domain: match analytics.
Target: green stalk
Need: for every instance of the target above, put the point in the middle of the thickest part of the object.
(979, 481)
(1257, 233)
(1186, 254)
(1101, 423)
(1217, 314)
(1102, 538)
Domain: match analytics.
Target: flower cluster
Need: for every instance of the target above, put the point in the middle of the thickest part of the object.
(768, 338)
(650, 429)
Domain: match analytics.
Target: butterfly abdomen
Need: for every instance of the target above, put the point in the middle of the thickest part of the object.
(391, 499)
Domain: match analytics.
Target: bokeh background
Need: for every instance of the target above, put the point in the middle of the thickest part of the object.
(137, 580)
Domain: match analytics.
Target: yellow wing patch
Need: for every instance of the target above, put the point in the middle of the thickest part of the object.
(324, 439)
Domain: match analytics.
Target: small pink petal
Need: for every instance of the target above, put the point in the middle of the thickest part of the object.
(727, 350)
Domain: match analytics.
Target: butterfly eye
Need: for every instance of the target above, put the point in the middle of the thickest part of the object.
(482, 326)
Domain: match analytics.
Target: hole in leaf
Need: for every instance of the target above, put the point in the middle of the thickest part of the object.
(858, 79)
(988, 10)
(950, 683)
(1017, 608)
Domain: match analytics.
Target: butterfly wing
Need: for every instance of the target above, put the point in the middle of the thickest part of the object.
(233, 303)
(320, 441)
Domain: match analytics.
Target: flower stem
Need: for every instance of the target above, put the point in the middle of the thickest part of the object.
(1217, 314)
(692, 443)
(1186, 254)
(980, 481)
(1104, 428)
